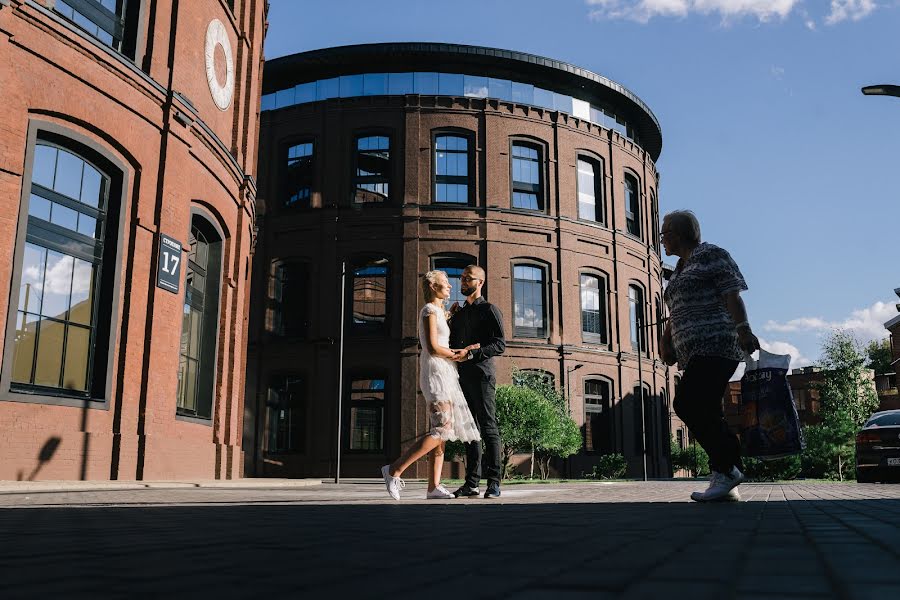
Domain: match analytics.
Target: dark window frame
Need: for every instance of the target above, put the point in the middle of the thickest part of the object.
(210, 311)
(539, 189)
(654, 223)
(287, 179)
(101, 251)
(641, 426)
(532, 332)
(301, 406)
(599, 186)
(121, 25)
(641, 330)
(301, 318)
(390, 175)
(604, 337)
(470, 178)
(347, 431)
(591, 408)
(633, 225)
(371, 328)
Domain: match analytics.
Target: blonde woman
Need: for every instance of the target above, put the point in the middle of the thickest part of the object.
(449, 415)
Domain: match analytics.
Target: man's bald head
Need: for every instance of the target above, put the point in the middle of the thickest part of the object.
(476, 271)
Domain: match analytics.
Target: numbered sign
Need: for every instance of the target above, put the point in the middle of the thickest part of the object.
(168, 272)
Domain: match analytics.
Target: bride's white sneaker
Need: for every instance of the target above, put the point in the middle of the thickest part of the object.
(394, 484)
(439, 493)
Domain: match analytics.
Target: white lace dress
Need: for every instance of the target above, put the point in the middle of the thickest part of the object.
(448, 410)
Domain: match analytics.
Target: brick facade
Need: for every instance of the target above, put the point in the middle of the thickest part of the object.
(147, 109)
(409, 231)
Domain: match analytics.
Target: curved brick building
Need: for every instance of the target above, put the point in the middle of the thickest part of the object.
(127, 148)
(398, 158)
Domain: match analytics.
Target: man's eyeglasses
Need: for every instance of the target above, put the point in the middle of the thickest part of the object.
(467, 278)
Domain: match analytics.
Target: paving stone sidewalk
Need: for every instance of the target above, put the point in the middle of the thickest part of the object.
(560, 541)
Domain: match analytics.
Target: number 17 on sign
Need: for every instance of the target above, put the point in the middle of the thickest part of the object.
(168, 272)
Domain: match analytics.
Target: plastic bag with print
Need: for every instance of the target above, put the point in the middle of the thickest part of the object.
(770, 427)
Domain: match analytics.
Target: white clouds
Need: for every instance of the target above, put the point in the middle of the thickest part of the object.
(762, 11)
(854, 10)
(867, 323)
(778, 347)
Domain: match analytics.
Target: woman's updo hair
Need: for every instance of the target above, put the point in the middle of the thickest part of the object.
(429, 279)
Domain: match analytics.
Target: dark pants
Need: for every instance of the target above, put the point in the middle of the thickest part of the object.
(699, 404)
(480, 391)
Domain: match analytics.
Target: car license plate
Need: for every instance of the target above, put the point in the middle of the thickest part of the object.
(893, 462)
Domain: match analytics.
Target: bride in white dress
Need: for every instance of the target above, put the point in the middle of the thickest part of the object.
(449, 415)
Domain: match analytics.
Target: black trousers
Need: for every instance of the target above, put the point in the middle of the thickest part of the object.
(480, 391)
(699, 404)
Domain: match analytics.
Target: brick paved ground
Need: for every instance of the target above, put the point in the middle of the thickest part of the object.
(631, 540)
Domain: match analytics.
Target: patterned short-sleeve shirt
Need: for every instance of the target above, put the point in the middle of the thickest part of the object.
(701, 324)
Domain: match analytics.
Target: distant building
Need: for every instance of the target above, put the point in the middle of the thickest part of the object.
(886, 383)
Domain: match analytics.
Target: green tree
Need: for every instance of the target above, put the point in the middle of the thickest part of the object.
(847, 398)
(879, 356)
(776, 469)
(693, 459)
(522, 416)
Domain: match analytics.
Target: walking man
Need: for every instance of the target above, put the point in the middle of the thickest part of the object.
(479, 322)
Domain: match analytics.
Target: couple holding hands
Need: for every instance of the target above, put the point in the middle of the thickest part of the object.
(457, 378)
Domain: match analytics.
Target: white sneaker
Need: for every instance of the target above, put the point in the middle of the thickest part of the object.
(439, 493)
(720, 487)
(394, 484)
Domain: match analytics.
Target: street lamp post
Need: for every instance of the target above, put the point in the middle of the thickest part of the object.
(882, 90)
(569, 371)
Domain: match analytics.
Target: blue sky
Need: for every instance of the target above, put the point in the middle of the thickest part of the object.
(766, 135)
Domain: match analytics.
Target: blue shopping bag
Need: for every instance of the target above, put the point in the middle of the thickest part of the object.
(770, 427)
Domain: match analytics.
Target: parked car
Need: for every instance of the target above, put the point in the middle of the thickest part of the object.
(878, 448)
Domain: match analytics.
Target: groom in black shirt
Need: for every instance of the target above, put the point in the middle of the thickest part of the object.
(479, 322)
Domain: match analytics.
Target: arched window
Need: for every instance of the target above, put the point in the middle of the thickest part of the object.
(642, 426)
(370, 294)
(60, 341)
(632, 206)
(593, 308)
(637, 318)
(197, 365)
(590, 190)
(452, 158)
(286, 419)
(654, 221)
(373, 170)
(453, 265)
(599, 435)
(300, 174)
(527, 176)
(529, 301)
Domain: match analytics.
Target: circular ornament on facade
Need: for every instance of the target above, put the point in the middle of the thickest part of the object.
(221, 92)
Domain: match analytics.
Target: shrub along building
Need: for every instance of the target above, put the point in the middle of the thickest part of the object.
(443, 156)
(127, 145)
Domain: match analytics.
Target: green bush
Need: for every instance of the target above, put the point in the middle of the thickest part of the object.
(772, 470)
(693, 459)
(609, 466)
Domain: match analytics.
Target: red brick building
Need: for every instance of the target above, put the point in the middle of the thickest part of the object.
(539, 171)
(127, 148)
(886, 384)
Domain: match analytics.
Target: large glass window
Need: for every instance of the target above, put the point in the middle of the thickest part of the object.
(196, 370)
(529, 310)
(300, 175)
(454, 267)
(103, 19)
(370, 297)
(632, 206)
(290, 313)
(451, 169)
(367, 415)
(598, 422)
(527, 182)
(593, 308)
(56, 328)
(373, 170)
(590, 190)
(286, 419)
(636, 318)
